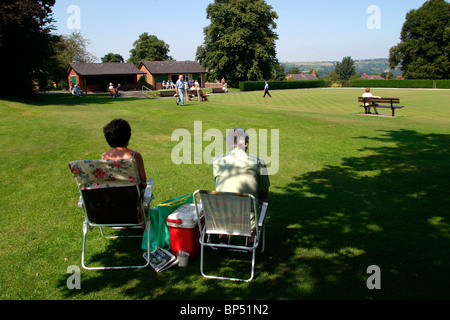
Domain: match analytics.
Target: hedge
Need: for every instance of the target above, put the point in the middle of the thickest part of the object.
(432, 84)
(427, 84)
(276, 85)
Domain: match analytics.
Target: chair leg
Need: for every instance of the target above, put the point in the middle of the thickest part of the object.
(263, 238)
(83, 254)
(85, 230)
(202, 260)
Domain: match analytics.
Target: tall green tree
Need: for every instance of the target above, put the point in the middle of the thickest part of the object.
(239, 43)
(149, 48)
(73, 48)
(345, 69)
(69, 48)
(26, 44)
(113, 57)
(423, 52)
(278, 72)
(294, 70)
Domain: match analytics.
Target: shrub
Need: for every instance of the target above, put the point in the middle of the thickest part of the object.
(438, 84)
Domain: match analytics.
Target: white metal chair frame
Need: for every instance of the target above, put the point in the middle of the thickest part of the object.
(205, 239)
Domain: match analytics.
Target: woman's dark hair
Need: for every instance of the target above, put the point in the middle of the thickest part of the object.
(117, 133)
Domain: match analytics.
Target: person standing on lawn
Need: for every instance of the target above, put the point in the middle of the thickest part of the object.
(179, 87)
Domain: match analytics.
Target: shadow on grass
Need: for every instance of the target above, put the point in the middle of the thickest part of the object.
(326, 228)
(66, 99)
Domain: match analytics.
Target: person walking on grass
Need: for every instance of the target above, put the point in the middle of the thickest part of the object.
(179, 87)
(266, 90)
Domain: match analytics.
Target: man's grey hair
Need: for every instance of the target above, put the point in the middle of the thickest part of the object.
(237, 138)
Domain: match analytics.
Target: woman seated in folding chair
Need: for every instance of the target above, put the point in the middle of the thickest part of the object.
(118, 134)
(238, 171)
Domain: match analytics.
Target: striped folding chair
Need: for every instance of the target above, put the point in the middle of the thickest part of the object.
(230, 214)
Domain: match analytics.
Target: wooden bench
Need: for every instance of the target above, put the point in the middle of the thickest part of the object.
(113, 93)
(368, 103)
(165, 94)
(196, 93)
(217, 90)
(188, 94)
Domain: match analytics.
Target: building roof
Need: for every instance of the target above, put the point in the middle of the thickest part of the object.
(173, 67)
(371, 77)
(112, 68)
(302, 76)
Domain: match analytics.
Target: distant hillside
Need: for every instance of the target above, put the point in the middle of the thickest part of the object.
(324, 68)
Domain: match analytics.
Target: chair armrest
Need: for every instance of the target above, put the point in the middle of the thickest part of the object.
(262, 215)
(148, 194)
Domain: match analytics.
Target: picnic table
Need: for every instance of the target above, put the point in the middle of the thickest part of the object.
(368, 103)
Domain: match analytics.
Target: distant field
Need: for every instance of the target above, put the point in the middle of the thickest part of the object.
(351, 191)
(369, 66)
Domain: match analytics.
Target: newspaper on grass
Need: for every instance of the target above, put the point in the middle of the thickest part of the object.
(161, 259)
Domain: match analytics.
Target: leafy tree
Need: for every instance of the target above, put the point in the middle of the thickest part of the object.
(73, 48)
(345, 69)
(333, 78)
(70, 48)
(423, 52)
(239, 43)
(25, 44)
(294, 70)
(112, 57)
(149, 48)
(388, 74)
(278, 73)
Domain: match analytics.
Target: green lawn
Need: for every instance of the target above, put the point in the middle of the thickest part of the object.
(351, 191)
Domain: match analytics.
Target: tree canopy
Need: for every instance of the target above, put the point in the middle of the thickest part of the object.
(67, 49)
(25, 44)
(74, 49)
(113, 57)
(345, 69)
(239, 43)
(423, 52)
(149, 48)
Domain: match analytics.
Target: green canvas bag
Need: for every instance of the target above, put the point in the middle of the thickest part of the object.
(159, 232)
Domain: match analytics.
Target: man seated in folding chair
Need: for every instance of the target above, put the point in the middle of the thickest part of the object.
(242, 184)
(240, 172)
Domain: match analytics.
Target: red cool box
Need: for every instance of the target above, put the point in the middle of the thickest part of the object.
(184, 230)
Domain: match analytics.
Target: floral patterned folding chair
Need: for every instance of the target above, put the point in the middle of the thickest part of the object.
(111, 197)
(229, 214)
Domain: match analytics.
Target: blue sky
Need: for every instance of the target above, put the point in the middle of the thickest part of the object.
(321, 30)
